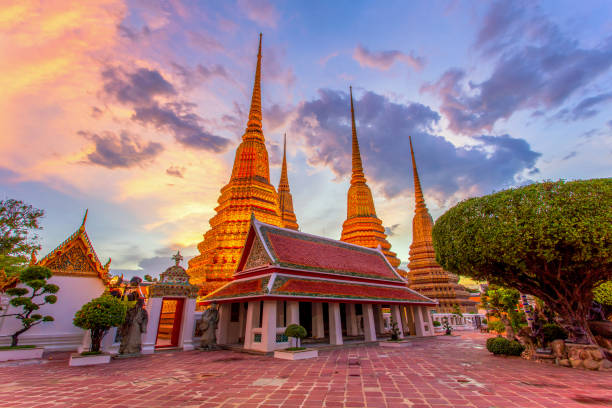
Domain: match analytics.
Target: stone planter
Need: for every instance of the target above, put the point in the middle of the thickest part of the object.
(395, 343)
(21, 354)
(79, 360)
(296, 355)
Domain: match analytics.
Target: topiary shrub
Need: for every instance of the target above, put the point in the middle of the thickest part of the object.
(553, 332)
(498, 345)
(502, 346)
(515, 348)
(297, 332)
(437, 323)
(98, 316)
(484, 321)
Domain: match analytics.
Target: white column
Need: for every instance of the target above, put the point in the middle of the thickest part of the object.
(410, 317)
(351, 320)
(250, 323)
(418, 321)
(293, 313)
(405, 325)
(318, 331)
(428, 319)
(154, 306)
(369, 331)
(186, 339)
(224, 322)
(268, 326)
(396, 316)
(378, 319)
(241, 321)
(335, 324)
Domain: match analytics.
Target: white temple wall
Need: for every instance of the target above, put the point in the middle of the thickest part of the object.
(61, 334)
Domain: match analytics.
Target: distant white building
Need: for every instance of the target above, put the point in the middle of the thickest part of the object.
(80, 276)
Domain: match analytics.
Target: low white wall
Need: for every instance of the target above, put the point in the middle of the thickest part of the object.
(60, 334)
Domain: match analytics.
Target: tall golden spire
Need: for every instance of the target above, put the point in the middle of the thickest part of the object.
(285, 200)
(249, 191)
(418, 192)
(254, 126)
(283, 183)
(426, 275)
(362, 226)
(357, 175)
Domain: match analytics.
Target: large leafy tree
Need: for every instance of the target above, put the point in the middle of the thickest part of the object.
(18, 223)
(552, 240)
(28, 298)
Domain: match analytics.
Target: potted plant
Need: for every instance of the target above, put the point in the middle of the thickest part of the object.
(26, 305)
(296, 352)
(98, 316)
(395, 340)
(448, 329)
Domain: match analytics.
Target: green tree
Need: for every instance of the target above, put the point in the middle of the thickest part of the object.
(297, 332)
(18, 223)
(502, 300)
(602, 294)
(35, 277)
(98, 316)
(551, 240)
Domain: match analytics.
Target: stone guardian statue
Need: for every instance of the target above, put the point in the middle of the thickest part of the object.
(135, 324)
(208, 326)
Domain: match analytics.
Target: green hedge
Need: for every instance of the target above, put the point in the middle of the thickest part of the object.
(437, 323)
(503, 346)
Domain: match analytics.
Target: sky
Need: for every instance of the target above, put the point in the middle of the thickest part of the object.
(134, 109)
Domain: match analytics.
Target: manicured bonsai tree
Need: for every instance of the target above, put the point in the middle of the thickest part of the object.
(297, 332)
(550, 240)
(35, 277)
(98, 316)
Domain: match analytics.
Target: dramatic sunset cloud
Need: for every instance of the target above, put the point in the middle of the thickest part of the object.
(134, 109)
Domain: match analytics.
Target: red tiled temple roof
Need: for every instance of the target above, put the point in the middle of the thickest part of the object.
(298, 250)
(342, 290)
(286, 286)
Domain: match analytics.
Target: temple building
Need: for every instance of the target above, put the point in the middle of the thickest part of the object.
(337, 291)
(285, 200)
(248, 191)
(81, 276)
(425, 275)
(362, 226)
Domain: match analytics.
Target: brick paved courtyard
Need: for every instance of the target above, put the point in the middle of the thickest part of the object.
(437, 372)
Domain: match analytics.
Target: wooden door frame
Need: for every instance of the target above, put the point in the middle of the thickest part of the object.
(178, 313)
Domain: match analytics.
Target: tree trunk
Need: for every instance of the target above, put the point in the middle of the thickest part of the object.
(576, 324)
(96, 338)
(14, 336)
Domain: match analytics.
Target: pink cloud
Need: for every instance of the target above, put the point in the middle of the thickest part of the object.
(383, 60)
(260, 11)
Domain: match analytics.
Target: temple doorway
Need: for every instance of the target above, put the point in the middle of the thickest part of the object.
(306, 317)
(170, 319)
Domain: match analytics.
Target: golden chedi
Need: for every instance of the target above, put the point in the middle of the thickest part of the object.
(362, 226)
(248, 191)
(285, 200)
(425, 275)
